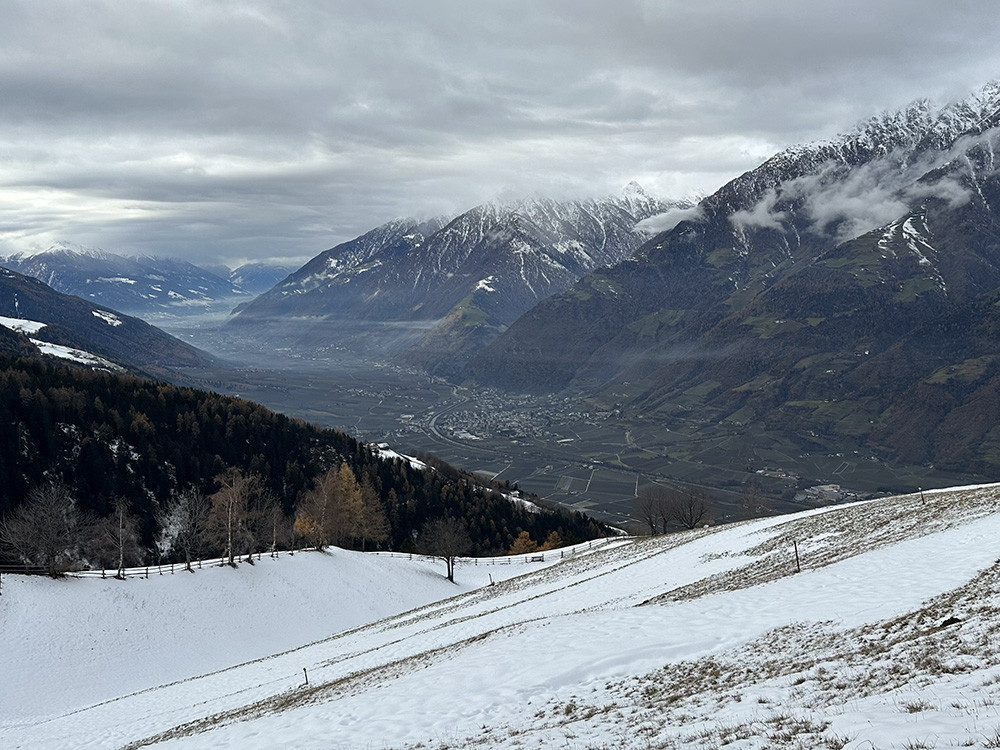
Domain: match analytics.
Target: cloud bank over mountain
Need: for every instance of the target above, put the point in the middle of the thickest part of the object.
(271, 130)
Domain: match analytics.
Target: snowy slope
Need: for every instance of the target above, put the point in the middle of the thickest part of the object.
(889, 637)
(70, 327)
(78, 641)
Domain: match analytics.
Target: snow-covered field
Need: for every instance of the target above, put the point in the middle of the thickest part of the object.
(888, 638)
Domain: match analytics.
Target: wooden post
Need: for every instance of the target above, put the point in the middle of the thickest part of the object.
(798, 568)
(306, 675)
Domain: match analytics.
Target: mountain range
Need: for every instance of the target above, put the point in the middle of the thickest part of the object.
(457, 283)
(843, 293)
(144, 285)
(69, 327)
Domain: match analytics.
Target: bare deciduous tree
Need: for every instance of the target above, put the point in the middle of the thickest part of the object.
(49, 530)
(231, 509)
(652, 505)
(755, 499)
(182, 525)
(446, 539)
(688, 507)
(118, 537)
(278, 527)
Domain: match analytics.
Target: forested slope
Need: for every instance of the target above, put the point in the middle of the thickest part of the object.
(106, 436)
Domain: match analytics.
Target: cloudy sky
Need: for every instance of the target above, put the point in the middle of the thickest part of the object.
(225, 130)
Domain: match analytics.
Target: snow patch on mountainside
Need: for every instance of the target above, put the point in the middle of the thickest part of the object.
(110, 318)
(76, 355)
(57, 350)
(21, 326)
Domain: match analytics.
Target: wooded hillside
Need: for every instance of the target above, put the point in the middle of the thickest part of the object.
(107, 436)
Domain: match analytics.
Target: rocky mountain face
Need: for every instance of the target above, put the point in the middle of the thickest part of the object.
(137, 285)
(845, 289)
(460, 282)
(77, 329)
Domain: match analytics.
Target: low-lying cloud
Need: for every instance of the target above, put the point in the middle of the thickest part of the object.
(843, 202)
(668, 220)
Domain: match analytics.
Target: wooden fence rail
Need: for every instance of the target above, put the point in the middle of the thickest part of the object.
(145, 571)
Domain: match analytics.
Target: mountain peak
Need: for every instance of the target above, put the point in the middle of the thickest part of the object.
(634, 189)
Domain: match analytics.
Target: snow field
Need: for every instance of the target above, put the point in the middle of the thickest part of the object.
(693, 640)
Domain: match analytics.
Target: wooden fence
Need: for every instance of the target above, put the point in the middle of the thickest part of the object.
(145, 571)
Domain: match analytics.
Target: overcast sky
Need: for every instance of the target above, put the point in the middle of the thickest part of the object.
(220, 130)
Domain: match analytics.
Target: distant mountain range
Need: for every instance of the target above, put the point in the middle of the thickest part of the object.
(36, 319)
(844, 292)
(142, 285)
(460, 282)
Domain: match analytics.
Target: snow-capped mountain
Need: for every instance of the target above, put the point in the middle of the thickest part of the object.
(476, 272)
(860, 271)
(133, 284)
(37, 319)
(256, 278)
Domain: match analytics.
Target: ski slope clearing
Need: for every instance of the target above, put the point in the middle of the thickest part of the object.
(888, 638)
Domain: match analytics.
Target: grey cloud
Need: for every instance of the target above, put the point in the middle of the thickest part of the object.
(846, 203)
(762, 215)
(268, 128)
(668, 220)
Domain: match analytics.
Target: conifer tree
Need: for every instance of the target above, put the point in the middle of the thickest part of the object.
(552, 541)
(523, 545)
(373, 525)
(330, 511)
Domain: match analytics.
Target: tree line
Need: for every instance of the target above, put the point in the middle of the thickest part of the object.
(172, 468)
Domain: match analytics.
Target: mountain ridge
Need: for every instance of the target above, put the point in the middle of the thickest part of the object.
(480, 268)
(142, 284)
(74, 322)
(837, 251)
